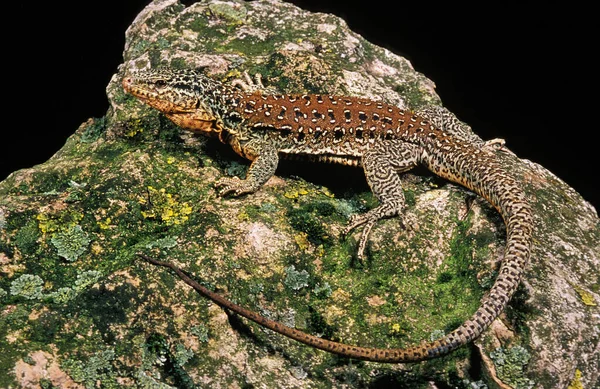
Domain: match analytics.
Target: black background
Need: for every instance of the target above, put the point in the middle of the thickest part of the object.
(525, 73)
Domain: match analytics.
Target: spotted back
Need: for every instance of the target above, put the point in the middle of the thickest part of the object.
(328, 122)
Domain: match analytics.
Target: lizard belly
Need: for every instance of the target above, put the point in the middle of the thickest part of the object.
(339, 154)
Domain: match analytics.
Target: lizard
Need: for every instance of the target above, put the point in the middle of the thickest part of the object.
(381, 138)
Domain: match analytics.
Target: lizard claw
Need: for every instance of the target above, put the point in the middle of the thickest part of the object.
(233, 186)
(369, 220)
(356, 221)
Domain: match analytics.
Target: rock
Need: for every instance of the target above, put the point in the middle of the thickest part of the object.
(80, 310)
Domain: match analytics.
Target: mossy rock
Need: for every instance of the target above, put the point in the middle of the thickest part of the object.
(79, 310)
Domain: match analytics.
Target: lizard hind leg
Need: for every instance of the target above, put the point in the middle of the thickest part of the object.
(382, 165)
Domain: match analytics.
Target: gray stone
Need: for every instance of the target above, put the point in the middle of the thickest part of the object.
(132, 182)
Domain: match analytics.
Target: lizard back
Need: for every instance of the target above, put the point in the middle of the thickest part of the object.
(333, 128)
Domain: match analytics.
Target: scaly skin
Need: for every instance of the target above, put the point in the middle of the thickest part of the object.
(381, 138)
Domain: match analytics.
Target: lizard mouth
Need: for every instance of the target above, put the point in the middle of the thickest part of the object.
(145, 94)
(154, 99)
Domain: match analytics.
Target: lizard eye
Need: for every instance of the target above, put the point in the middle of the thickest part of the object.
(160, 83)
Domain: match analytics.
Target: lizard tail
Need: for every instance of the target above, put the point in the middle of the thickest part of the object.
(500, 190)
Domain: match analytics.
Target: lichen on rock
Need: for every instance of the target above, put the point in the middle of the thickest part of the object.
(131, 181)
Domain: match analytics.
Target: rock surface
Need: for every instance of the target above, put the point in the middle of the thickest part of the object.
(78, 309)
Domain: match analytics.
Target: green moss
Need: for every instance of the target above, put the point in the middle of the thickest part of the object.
(519, 312)
(44, 330)
(157, 355)
(26, 239)
(318, 325)
(94, 130)
(444, 277)
(308, 219)
(45, 383)
(11, 321)
(107, 309)
(409, 198)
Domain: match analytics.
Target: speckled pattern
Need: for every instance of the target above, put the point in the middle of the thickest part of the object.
(382, 138)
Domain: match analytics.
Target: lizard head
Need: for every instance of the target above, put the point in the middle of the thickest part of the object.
(178, 94)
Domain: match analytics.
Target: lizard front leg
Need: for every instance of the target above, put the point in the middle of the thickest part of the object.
(382, 165)
(264, 158)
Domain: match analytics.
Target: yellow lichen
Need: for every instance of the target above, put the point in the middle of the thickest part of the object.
(134, 127)
(50, 224)
(294, 193)
(96, 248)
(291, 194)
(45, 224)
(576, 382)
(327, 193)
(586, 297)
(302, 240)
(396, 329)
(104, 225)
(163, 206)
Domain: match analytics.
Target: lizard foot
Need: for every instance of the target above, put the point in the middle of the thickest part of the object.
(234, 186)
(368, 220)
(249, 85)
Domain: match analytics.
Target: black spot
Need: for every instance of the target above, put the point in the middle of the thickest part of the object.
(298, 113)
(282, 113)
(284, 132)
(250, 107)
(372, 134)
(317, 115)
(317, 134)
(388, 120)
(347, 114)
(375, 117)
(331, 115)
(338, 134)
(306, 97)
(359, 133)
(319, 98)
(388, 136)
(362, 116)
(301, 136)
